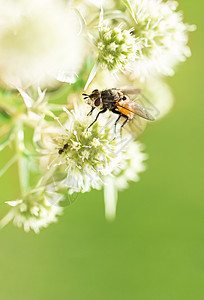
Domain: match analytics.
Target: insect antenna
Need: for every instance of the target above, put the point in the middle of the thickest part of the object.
(85, 96)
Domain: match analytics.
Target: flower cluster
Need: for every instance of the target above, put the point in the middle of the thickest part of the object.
(84, 155)
(34, 211)
(163, 36)
(62, 146)
(117, 48)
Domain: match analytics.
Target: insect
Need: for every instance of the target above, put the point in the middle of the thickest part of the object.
(65, 147)
(117, 101)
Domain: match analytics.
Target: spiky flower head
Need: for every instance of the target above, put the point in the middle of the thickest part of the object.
(84, 155)
(163, 35)
(34, 211)
(117, 48)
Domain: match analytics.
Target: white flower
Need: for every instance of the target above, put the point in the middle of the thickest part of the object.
(34, 211)
(163, 35)
(38, 39)
(117, 48)
(83, 155)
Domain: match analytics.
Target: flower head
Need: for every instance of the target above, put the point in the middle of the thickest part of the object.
(84, 155)
(163, 36)
(117, 48)
(34, 211)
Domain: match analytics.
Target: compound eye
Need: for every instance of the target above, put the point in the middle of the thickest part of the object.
(124, 98)
(97, 102)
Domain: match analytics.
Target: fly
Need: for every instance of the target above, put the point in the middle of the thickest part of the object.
(117, 101)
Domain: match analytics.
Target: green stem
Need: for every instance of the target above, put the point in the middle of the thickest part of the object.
(22, 160)
(110, 198)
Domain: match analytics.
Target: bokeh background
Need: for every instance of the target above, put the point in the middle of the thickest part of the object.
(155, 248)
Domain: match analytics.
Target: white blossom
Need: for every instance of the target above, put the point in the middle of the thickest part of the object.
(84, 155)
(163, 35)
(38, 39)
(34, 211)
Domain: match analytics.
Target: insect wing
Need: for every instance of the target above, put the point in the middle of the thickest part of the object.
(142, 112)
(129, 90)
(139, 110)
(129, 107)
(137, 116)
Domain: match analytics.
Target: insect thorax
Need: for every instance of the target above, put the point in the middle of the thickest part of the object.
(109, 98)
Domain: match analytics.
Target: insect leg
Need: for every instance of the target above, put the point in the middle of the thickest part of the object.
(117, 122)
(90, 113)
(100, 112)
(120, 115)
(127, 119)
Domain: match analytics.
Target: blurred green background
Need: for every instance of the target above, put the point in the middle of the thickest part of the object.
(155, 248)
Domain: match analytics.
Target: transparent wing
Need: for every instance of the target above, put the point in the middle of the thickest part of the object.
(140, 106)
(136, 109)
(142, 112)
(129, 90)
